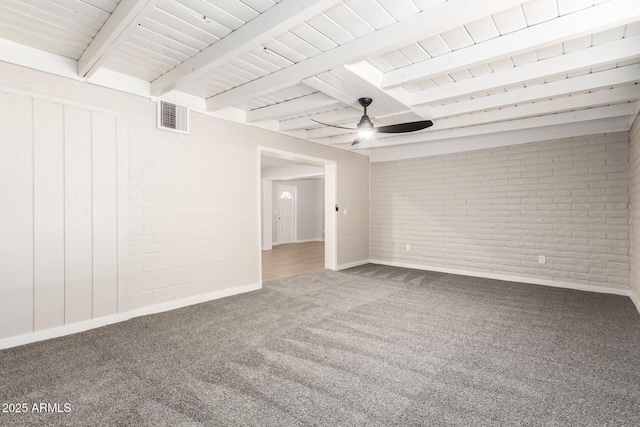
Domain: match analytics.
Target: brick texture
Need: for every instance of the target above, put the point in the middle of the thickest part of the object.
(634, 211)
(192, 208)
(193, 215)
(497, 210)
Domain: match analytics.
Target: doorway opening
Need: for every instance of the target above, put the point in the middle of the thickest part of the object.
(297, 224)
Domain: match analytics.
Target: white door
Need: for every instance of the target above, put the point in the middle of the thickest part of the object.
(286, 213)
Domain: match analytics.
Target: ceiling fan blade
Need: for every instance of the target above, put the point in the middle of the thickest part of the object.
(363, 138)
(365, 128)
(333, 126)
(405, 127)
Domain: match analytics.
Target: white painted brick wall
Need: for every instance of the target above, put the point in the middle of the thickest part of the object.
(193, 207)
(192, 211)
(496, 210)
(634, 214)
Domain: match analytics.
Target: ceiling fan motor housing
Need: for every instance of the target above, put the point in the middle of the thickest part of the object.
(365, 102)
(365, 122)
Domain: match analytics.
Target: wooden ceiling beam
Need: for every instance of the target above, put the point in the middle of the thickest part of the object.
(616, 51)
(454, 144)
(269, 24)
(343, 115)
(549, 120)
(285, 108)
(122, 20)
(543, 108)
(602, 17)
(432, 21)
(588, 82)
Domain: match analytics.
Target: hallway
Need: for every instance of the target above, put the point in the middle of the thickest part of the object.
(291, 260)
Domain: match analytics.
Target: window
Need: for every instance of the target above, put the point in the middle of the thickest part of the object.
(285, 195)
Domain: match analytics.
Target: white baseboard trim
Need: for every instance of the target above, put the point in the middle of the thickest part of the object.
(505, 277)
(352, 264)
(121, 317)
(61, 331)
(197, 299)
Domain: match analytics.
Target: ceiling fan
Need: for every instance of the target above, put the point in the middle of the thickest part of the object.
(365, 127)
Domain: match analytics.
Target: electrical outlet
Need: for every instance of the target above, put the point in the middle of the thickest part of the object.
(542, 259)
(345, 211)
(408, 247)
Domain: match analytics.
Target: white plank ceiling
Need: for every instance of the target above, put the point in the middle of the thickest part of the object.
(552, 67)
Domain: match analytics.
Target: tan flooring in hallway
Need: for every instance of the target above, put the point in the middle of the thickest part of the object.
(292, 259)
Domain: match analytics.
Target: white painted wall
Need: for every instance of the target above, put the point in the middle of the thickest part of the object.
(269, 205)
(292, 172)
(192, 202)
(309, 208)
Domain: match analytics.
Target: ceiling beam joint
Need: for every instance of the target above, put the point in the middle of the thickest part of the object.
(122, 20)
(267, 25)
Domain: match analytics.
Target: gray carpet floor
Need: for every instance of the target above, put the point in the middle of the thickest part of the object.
(372, 345)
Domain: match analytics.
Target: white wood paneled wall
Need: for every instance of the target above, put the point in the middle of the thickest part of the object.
(59, 221)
